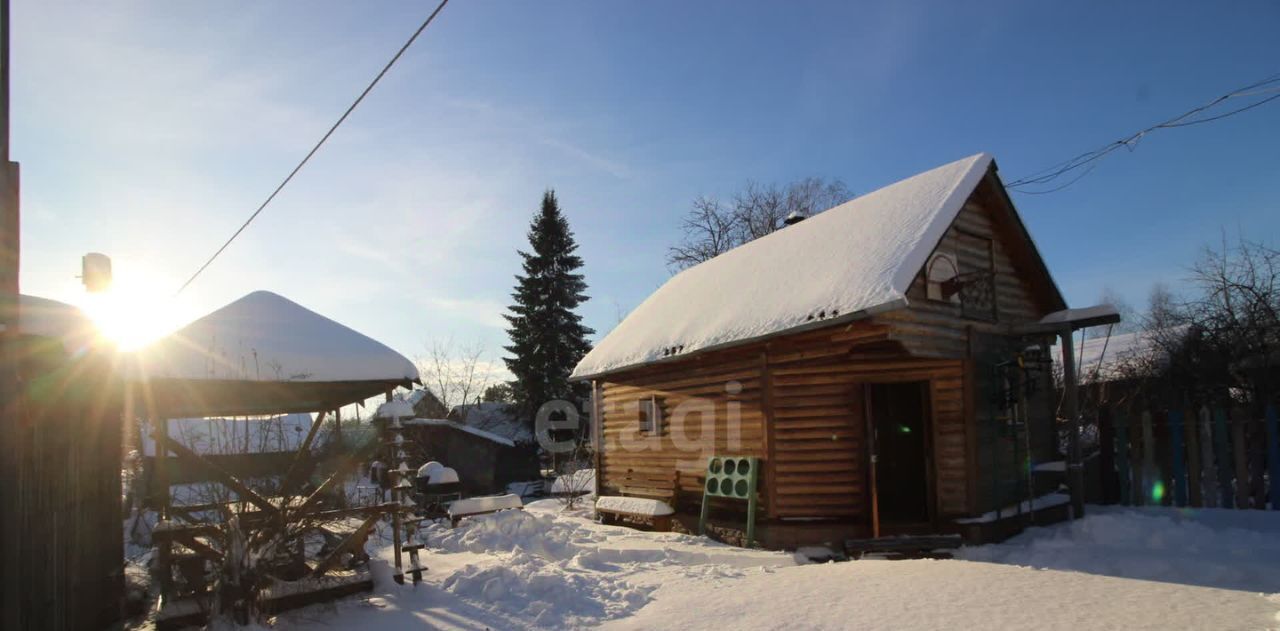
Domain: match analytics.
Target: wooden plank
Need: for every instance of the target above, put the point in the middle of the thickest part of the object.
(1222, 451)
(1106, 456)
(1122, 457)
(1205, 422)
(1191, 429)
(1177, 452)
(296, 468)
(350, 544)
(1242, 461)
(218, 473)
(1273, 454)
(1148, 460)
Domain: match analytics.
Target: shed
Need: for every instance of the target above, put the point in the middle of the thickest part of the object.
(886, 360)
(486, 462)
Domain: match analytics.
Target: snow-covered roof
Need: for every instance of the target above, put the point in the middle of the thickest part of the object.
(856, 259)
(267, 337)
(444, 422)
(1124, 355)
(50, 318)
(395, 408)
(225, 436)
(1083, 316)
(494, 417)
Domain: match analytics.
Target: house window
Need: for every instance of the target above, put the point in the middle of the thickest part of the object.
(651, 416)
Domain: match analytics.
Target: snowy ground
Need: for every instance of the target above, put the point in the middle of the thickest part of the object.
(1116, 569)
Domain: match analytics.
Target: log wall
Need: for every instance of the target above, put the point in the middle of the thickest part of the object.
(815, 448)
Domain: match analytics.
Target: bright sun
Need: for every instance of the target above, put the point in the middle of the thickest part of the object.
(131, 315)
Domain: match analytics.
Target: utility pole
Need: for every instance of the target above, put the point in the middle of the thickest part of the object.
(12, 425)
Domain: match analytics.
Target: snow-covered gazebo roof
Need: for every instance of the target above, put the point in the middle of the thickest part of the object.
(854, 260)
(69, 325)
(264, 354)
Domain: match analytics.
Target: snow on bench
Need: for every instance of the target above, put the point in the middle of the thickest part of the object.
(638, 506)
(482, 506)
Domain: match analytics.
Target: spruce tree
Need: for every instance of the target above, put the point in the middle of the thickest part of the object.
(547, 336)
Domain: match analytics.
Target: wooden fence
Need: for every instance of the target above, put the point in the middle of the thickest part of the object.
(62, 557)
(1211, 457)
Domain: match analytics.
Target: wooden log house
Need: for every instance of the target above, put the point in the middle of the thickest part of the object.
(863, 354)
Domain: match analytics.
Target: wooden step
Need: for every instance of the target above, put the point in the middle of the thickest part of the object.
(903, 545)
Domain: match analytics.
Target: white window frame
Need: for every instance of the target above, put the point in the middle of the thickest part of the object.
(651, 408)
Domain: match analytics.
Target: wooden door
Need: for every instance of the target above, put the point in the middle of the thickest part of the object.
(899, 422)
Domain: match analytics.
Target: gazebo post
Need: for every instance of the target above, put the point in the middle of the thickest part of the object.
(162, 466)
(161, 481)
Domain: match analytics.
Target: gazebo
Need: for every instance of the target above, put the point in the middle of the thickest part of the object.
(262, 354)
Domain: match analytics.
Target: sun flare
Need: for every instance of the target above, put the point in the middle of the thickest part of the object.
(131, 315)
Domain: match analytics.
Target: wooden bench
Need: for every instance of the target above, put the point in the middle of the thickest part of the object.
(663, 488)
(473, 506)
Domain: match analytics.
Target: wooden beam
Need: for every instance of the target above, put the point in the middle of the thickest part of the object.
(189, 540)
(356, 538)
(597, 431)
(971, 435)
(221, 475)
(299, 459)
(344, 467)
(337, 426)
(160, 463)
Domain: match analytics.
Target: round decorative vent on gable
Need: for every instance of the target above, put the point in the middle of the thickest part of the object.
(941, 278)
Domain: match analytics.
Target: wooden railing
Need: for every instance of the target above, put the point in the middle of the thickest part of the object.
(978, 295)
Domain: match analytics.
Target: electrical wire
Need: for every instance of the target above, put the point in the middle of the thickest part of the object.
(317, 146)
(1090, 158)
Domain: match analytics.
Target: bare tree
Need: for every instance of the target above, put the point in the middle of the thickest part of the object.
(1130, 321)
(1238, 315)
(710, 229)
(456, 374)
(713, 227)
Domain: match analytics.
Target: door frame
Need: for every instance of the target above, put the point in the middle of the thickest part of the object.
(865, 387)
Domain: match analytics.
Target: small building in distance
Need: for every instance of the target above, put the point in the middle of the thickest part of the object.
(486, 462)
(485, 442)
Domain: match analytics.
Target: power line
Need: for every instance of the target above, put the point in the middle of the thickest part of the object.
(1186, 119)
(317, 146)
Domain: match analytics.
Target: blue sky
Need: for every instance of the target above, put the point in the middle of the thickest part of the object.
(149, 131)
